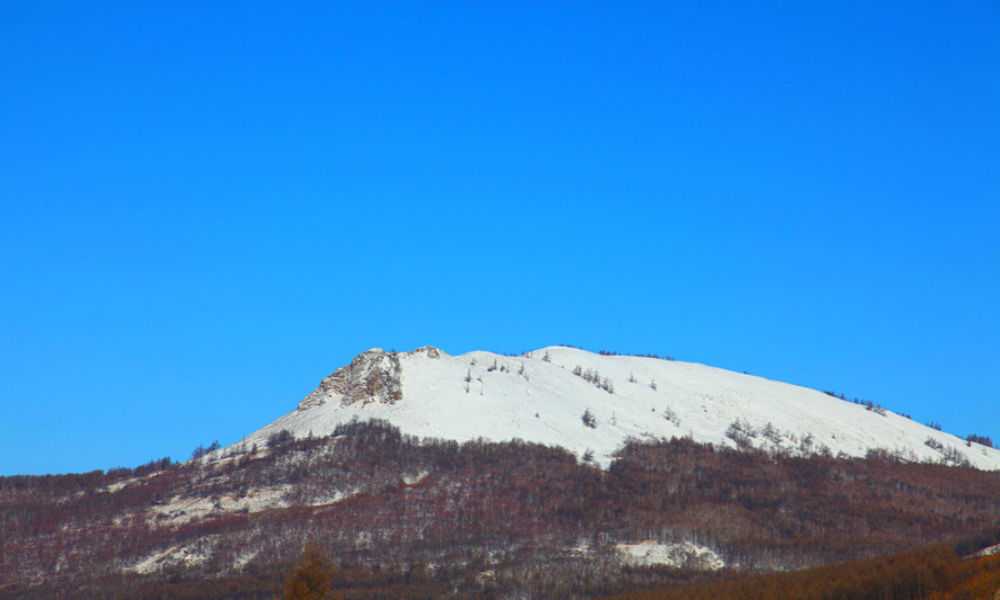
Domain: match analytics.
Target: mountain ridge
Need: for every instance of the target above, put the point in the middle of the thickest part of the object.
(591, 403)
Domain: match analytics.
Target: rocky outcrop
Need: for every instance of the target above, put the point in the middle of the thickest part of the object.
(430, 351)
(373, 376)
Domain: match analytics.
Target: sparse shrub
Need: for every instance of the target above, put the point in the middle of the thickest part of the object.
(280, 438)
(201, 451)
(671, 415)
(954, 456)
(806, 443)
(152, 466)
(772, 433)
(933, 444)
(588, 419)
(594, 377)
(873, 407)
(980, 439)
(882, 455)
(742, 433)
(357, 427)
(934, 425)
(907, 455)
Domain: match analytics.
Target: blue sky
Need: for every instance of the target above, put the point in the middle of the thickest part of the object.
(203, 213)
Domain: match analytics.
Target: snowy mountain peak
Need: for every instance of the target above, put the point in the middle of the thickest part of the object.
(372, 376)
(592, 403)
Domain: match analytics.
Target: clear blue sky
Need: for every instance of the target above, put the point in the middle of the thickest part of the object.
(204, 211)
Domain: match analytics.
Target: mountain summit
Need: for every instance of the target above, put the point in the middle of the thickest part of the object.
(592, 403)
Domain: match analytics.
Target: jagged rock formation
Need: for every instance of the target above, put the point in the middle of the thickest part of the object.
(373, 376)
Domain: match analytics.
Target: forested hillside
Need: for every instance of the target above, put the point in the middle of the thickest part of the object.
(397, 513)
(936, 573)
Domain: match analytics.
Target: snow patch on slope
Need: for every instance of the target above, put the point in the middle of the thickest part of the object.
(188, 555)
(686, 555)
(180, 510)
(243, 559)
(415, 478)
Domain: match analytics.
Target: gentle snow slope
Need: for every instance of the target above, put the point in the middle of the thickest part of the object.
(538, 397)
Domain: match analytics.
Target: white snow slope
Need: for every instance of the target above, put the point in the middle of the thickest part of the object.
(537, 397)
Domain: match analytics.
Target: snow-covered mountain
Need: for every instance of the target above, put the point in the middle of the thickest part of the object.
(592, 403)
(484, 518)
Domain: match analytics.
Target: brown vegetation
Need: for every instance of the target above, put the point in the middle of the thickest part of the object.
(489, 517)
(932, 574)
(312, 578)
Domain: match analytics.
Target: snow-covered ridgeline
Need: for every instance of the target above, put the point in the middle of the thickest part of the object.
(543, 395)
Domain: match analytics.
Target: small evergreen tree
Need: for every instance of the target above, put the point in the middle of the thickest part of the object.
(280, 438)
(980, 439)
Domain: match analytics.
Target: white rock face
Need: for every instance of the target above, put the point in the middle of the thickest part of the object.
(542, 396)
